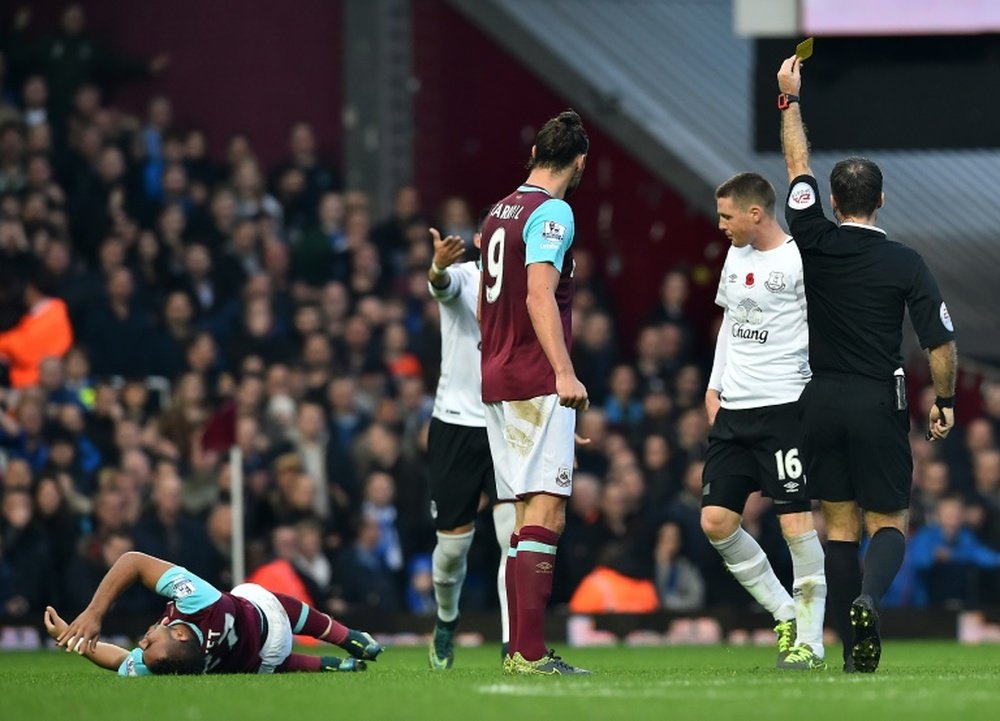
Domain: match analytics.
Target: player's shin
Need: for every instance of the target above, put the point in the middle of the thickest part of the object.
(843, 572)
(510, 585)
(808, 589)
(448, 570)
(535, 564)
(503, 522)
(308, 621)
(882, 562)
(746, 560)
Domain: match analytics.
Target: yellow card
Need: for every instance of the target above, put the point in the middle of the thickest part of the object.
(804, 49)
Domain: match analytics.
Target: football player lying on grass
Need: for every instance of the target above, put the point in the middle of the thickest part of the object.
(203, 630)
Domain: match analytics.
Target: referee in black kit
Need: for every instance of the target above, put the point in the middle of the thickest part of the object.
(855, 422)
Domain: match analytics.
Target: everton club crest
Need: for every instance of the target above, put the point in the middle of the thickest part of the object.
(775, 281)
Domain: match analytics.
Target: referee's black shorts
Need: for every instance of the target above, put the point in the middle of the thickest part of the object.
(856, 444)
(461, 470)
(755, 449)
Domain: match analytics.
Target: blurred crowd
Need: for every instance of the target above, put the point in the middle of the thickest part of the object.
(158, 306)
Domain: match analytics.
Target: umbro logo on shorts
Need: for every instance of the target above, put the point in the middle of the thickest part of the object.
(543, 567)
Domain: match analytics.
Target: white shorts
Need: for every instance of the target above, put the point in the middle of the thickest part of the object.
(532, 444)
(278, 644)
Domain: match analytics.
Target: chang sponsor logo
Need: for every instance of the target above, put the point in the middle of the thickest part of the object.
(747, 319)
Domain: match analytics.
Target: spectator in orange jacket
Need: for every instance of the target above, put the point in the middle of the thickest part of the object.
(608, 590)
(43, 332)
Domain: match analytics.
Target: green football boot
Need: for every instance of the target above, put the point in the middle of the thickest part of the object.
(801, 658)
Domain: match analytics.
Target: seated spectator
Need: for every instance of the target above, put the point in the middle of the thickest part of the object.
(380, 490)
(372, 583)
(252, 199)
(612, 588)
(167, 531)
(621, 407)
(582, 537)
(420, 586)
(318, 178)
(679, 584)
(118, 331)
(21, 434)
(946, 557)
(83, 577)
(24, 555)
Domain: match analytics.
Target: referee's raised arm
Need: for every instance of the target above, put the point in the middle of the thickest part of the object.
(793, 132)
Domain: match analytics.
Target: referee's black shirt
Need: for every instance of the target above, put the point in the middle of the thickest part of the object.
(857, 285)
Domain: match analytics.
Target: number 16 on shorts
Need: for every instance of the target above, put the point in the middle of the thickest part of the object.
(788, 463)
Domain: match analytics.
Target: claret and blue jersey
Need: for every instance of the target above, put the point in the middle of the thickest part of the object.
(529, 226)
(229, 628)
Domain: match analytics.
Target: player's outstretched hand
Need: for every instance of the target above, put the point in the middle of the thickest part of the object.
(448, 250)
(571, 392)
(54, 623)
(790, 76)
(940, 423)
(82, 635)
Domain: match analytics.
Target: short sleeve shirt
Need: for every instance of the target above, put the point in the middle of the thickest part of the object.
(228, 627)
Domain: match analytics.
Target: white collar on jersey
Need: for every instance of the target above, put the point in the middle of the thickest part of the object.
(866, 227)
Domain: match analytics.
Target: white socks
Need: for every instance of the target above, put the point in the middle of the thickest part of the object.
(745, 559)
(808, 589)
(448, 569)
(503, 521)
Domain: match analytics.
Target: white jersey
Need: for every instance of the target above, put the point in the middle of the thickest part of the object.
(762, 354)
(459, 398)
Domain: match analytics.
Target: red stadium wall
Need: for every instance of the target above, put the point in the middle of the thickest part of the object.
(476, 111)
(248, 66)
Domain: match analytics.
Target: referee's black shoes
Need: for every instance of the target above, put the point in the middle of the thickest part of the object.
(867, 647)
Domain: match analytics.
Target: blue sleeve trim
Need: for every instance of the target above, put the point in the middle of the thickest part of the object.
(189, 593)
(133, 665)
(548, 233)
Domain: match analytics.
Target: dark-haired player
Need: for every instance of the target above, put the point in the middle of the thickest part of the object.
(529, 386)
(203, 630)
(855, 421)
(458, 452)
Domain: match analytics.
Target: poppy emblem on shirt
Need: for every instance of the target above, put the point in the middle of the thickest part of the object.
(749, 281)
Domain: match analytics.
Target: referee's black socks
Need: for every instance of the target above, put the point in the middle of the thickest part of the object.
(843, 584)
(882, 562)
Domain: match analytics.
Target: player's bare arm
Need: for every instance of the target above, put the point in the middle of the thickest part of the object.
(543, 279)
(944, 362)
(447, 251)
(82, 635)
(105, 655)
(793, 132)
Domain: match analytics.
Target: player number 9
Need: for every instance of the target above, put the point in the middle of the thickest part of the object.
(494, 264)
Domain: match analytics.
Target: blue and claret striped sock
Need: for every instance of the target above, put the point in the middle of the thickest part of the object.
(535, 564)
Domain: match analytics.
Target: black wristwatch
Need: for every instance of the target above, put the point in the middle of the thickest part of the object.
(785, 100)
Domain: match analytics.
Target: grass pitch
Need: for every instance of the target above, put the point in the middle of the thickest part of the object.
(916, 681)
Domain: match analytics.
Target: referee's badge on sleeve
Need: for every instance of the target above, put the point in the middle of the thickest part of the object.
(802, 196)
(946, 318)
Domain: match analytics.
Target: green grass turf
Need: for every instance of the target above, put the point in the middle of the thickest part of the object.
(916, 681)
